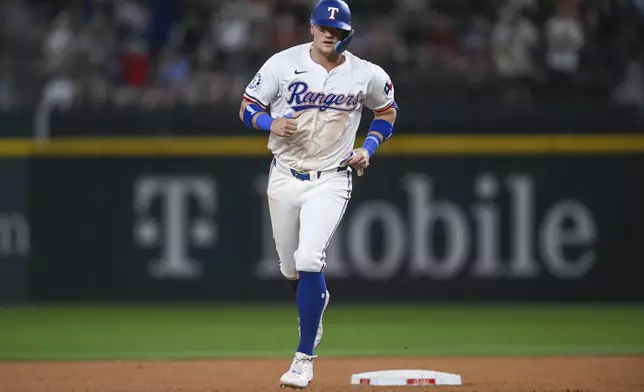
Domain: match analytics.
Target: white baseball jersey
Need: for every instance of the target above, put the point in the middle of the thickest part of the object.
(331, 104)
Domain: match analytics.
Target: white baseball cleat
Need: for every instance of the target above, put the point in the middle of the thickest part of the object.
(318, 335)
(300, 373)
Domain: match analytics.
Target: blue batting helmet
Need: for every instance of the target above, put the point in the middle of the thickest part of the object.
(334, 13)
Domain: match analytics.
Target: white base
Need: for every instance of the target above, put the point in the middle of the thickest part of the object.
(405, 377)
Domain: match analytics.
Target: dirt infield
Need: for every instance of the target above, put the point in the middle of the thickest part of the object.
(586, 374)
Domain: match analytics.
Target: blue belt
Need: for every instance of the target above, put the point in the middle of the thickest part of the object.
(309, 175)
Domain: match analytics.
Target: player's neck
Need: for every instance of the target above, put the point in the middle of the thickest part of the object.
(328, 62)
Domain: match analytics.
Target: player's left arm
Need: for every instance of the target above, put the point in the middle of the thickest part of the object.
(387, 116)
(380, 98)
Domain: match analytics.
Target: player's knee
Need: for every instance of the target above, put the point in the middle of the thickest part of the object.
(289, 271)
(309, 261)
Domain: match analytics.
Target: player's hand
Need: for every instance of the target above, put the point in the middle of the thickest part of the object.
(285, 126)
(358, 159)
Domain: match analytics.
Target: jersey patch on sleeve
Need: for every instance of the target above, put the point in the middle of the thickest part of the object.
(389, 87)
(256, 82)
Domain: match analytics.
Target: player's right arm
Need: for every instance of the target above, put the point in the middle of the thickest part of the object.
(259, 93)
(283, 127)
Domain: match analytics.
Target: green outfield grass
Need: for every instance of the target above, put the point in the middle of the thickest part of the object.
(160, 332)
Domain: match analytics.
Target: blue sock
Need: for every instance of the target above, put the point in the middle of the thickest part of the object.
(311, 295)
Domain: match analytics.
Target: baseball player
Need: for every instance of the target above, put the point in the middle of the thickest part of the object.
(315, 94)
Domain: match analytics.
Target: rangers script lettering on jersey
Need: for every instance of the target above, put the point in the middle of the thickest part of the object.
(330, 103)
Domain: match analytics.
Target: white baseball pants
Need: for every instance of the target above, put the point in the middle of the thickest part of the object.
(304, 215)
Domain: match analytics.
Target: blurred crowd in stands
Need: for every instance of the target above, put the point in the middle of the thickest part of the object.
(157, 53)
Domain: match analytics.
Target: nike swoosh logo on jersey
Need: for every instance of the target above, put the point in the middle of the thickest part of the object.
(300, 72)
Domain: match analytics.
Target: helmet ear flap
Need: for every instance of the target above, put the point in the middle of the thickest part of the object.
(342, 45)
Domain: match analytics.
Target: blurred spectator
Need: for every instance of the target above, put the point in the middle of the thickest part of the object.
(285, 32)
(232, 32)
(135, 62)
(174, 69)
(441, 37)
(132, 23)
(514, 40)
(204, 60)
(99, 42)
(564, 39)
(476, 47)
(58, 43)
(132, 17)
(631, 90)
